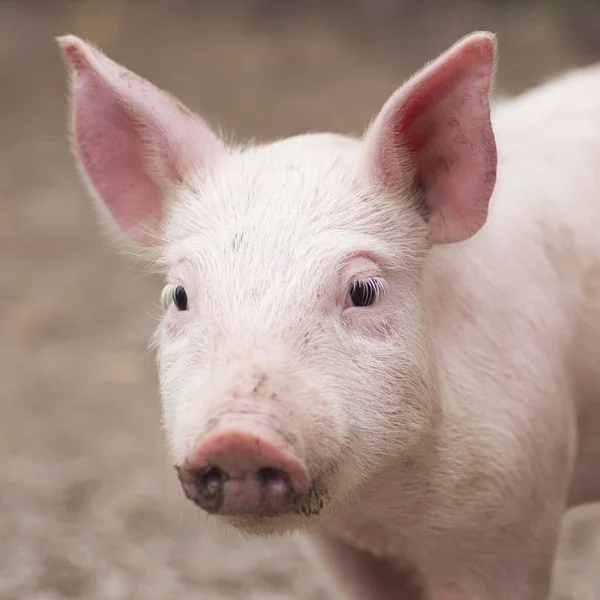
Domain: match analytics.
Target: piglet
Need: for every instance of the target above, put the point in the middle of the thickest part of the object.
(372, 340)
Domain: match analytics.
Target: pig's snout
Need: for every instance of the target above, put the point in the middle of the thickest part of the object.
(237, 473)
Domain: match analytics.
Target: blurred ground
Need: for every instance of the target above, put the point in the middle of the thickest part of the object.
(89, 506)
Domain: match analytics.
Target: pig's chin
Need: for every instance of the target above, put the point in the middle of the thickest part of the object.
(269, 526)
(303, 514)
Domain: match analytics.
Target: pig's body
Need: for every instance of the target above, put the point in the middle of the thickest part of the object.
(331, 362)
(515, 317)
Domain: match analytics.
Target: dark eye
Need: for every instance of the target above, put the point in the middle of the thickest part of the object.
(363, 293)
(180, 298)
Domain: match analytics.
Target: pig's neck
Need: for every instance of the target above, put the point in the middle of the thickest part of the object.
(392, 515)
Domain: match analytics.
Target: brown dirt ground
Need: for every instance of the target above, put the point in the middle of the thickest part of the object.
(89, 506)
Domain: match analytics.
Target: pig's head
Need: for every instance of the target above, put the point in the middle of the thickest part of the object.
(294, 353)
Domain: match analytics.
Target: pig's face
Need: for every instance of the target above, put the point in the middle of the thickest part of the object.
(292, 308)
(294, 356)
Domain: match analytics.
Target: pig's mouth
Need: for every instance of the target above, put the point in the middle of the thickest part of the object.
(267, 493)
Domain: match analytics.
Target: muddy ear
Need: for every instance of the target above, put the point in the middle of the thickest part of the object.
(133, 141)
(434, 136)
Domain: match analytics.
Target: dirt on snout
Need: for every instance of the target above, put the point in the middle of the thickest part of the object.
(90, 507)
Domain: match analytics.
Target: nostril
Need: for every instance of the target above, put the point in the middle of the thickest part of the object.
(277, 482)
(235, 472)
(212, 481)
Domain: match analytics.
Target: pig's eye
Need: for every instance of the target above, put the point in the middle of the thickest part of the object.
(174, 294)
(365, 292)
(180, 298)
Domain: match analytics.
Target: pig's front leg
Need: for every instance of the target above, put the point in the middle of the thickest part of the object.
(514, 584)
(359, 575)
(518, 568)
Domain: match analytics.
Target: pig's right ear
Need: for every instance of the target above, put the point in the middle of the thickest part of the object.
(135, 143)
(434, 138)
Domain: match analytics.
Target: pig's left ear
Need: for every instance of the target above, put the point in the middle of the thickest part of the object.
(434, 137)
(135, 142)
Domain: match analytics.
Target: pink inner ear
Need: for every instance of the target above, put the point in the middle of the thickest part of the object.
(135, 142)
(113, 156)
(439, 124)
(418, 123)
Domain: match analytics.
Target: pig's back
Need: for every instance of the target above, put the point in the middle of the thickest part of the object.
(549, 151)
(567, 115)
(548, 198)
(535, 266)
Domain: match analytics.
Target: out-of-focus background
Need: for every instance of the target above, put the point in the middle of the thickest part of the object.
(89, 506)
